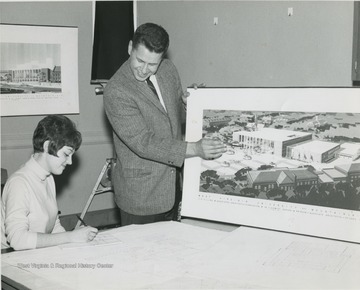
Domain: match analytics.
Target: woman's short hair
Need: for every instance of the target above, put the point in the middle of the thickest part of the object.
(153, 36)
(59, 130)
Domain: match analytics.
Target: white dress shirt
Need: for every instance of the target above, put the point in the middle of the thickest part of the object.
(156, 85)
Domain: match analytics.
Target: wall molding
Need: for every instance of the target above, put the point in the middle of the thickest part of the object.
(24, 140)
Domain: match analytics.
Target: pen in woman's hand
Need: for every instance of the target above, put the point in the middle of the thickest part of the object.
(82, 221)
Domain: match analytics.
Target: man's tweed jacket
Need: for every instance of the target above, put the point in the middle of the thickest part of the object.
(148, 140)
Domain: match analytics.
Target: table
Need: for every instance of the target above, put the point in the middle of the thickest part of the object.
(172, 255)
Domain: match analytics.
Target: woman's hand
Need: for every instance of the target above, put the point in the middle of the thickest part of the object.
(83, 234)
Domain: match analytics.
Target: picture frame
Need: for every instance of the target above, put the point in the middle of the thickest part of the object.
(292, 162)
(39, 72)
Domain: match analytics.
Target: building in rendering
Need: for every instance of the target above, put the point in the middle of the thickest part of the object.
(269, 140)
(336, 175)
(352, 171)
(313, 151)
(32, 75)
(349, 150)
(284, 178)
(56, 74)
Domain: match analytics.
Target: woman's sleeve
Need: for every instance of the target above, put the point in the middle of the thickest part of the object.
(16, 202)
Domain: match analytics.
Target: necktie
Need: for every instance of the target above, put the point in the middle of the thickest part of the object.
(151, 86)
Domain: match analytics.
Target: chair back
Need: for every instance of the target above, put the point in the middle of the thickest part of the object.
(4, 177)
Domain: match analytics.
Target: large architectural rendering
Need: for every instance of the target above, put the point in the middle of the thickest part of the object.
(286, 167)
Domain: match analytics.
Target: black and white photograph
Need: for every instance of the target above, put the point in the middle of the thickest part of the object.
(180, 144)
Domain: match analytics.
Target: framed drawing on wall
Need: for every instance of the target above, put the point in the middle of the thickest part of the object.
(39, 70)
(292, 161)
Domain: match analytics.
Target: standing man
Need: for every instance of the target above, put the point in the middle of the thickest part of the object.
(144, 103)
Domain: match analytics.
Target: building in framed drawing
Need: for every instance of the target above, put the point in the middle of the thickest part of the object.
(39, 70)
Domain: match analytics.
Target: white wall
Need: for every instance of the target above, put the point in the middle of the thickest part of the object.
(256, 43)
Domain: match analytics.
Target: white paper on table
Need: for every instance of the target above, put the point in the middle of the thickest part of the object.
(101, 239)
(271, 259)
(147, 255)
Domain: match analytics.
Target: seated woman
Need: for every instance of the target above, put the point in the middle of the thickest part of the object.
(29, 207)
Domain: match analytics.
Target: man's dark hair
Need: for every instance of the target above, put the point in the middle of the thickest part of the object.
(153, 36)
(59, 130)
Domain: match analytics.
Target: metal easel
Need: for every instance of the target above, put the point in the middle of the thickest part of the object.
(102, 185)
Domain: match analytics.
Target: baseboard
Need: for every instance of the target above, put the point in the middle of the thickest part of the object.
(105, 218)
